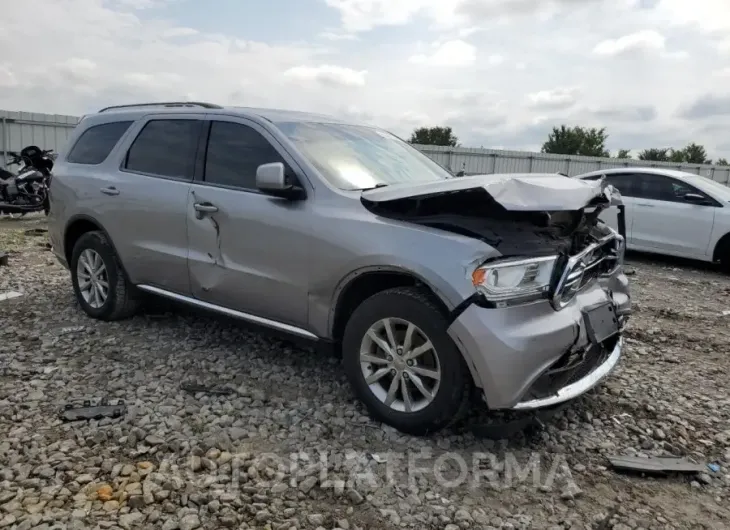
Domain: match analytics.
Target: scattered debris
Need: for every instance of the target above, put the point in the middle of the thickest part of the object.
(380, 459)
(71, 329)
(629, 272)
(516, 423)
(36, 232)
(93, 412)
(726, 313)
(9, 295)
(656, 465)
(715, 468)
(3, 258)
(195, 388)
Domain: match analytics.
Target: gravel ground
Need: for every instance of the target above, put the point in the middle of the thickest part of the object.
(290, 447)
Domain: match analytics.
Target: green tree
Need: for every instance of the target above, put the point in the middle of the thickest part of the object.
(624, 153)
(655, 155)
(677, 155)
(695, 154)
(722, 162)
(434, 136)
(576, 141)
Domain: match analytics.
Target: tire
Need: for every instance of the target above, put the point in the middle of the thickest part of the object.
(723, 253)
(403, 305)
(121, 301)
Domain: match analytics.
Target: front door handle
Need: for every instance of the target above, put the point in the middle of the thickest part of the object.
(645, 204)
(111, 190)
(202, 208)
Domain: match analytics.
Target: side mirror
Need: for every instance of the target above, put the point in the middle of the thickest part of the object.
(695, 198)
(272, 180)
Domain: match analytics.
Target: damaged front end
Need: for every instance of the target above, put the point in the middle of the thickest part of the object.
(544, 323)
(545, 227)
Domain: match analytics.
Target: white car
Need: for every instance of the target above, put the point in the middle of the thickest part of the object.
(672, 212)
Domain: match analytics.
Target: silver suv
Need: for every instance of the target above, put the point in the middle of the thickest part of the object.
(435, 289)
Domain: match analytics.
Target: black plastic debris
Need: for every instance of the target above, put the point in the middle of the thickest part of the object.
(509, 425)
(36, 232)
(195, 388)
(655, 465)
(3, 258)
(87, 411)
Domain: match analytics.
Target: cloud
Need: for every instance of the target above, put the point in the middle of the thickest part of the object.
(632, 113)
(7, 77)
(328, 75)
(555, 99)
(706, 106)
(179, 32)
(364, 15)
(335, 36)
(455, 53)
(518, 67)
(635, 43)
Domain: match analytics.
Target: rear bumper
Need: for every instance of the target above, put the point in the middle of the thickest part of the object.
(529, 357)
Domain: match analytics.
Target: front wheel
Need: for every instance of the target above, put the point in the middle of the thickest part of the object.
(402, 363)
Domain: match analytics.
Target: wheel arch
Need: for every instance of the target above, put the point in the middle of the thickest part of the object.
(79, 225)
(367, 281)
(722, 246)
(362, 283)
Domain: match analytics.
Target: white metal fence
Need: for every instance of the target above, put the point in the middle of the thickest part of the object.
(20, 129)
(51, 131)
(483, 161)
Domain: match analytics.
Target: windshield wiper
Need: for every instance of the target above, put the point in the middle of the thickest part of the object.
(381, 185)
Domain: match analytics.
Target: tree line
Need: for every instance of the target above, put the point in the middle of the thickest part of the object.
(580, 141)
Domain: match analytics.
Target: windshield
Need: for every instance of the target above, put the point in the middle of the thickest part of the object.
(355, 157)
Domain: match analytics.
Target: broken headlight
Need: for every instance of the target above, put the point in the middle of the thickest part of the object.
(510, 281)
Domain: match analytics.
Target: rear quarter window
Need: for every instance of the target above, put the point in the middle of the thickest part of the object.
(95, 143)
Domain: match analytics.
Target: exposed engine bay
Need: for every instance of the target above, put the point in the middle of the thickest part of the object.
(475, 213)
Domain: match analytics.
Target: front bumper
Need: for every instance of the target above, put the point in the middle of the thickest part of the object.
(579, 387)
(522, 357)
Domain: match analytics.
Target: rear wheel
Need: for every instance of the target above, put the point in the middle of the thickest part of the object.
(99, 281)
(402, 363)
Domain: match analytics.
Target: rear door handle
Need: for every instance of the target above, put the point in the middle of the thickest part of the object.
(111, 190)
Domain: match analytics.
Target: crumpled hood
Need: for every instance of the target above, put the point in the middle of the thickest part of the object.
(514, 191)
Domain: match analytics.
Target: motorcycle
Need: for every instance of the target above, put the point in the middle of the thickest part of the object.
(26, 191)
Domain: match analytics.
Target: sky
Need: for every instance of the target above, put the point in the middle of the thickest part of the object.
(501, 73)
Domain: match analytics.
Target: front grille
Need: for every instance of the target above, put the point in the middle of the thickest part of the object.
(598, 259)
(570, 368)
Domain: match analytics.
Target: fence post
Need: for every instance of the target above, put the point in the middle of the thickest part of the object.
(451, 160)
(5, 142)
(531, 159)
(567, 166)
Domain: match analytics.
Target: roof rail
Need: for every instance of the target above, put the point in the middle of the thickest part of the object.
(165, 104)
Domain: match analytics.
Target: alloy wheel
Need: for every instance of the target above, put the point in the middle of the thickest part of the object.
(400, 365)
(93, 278)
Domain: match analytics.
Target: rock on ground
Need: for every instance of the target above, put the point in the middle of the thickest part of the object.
(290, 448)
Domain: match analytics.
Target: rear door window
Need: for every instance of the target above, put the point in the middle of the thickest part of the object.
(95, 143)
(165, 148)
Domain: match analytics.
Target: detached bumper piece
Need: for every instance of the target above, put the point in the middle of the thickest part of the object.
(573, 375)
